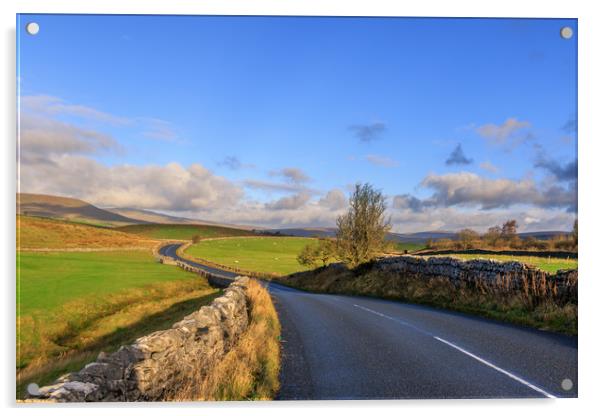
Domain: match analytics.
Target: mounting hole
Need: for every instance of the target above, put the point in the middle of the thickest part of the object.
(566, 32)
(33, 389)
(567, 384)
(32, 28)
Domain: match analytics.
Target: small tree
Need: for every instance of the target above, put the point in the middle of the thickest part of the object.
(325, 250)
(311, 254)
(493, 235)
(362, 230)
(467, 238)
(509, 229)
(307, 257)
(196, 238)
(574, 234)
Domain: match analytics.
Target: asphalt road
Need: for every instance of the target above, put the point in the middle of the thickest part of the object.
(344, 347)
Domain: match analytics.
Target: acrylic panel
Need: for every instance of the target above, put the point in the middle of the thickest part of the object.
(296, 208)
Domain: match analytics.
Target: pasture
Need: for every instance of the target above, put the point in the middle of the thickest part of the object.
(547, 264)
(276, 255)
(47, 280)
(182, 231)
(72, 305)
(402, 246)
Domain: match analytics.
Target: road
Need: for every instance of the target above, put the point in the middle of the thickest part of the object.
(345, 347)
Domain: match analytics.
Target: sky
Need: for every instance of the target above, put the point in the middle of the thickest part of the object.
(270, 121)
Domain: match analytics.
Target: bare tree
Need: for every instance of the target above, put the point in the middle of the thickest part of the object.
(362, 230)
(509, 229)
(468, 238)
(493, 235)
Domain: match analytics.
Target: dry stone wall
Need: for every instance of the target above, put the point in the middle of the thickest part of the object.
(514, 276)
(158, 364)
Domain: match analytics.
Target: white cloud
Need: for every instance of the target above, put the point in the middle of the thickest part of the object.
(454, 219)
(469, 189)
(45, 136)
(335, 200)
(293, 175)
(46, 104)
(502, 133)
(291, 202)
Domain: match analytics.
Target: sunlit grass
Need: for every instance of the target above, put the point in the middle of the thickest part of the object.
(547, 264)
(276, 255)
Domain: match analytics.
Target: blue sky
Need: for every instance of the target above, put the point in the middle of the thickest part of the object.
(461, 122)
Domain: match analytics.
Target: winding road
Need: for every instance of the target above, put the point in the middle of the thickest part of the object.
(346, 347)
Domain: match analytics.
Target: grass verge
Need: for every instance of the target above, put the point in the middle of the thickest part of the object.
(250, 370)
(488, 300)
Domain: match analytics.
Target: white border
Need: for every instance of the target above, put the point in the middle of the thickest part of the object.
(590, 72)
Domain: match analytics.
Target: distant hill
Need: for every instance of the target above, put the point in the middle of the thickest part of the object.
(70, 209)
(148, 216)
(304, 232)
(419, 237)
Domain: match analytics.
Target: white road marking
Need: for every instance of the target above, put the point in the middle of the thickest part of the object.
(495, 367)
(462, 350)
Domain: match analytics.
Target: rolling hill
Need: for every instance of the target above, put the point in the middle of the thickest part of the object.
(48, 233)
(147, 216)
(71, 209)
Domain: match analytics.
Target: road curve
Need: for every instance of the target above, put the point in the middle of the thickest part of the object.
(345, 347)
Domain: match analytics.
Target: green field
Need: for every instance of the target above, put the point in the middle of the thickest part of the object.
(260, 254)
(398, 246)
(550, 265)
(72, 305)
(182, 231)
(48, 280)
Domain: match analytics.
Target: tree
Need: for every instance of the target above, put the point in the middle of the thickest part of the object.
(307, 257)
(325, 250)
(362, 230)
(196, 238)
(574, 234)
(311, 254)
(493, 235)
(509, 229)
(467, 238)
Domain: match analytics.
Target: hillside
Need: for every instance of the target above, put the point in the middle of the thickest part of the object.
(150, 216)
(37, 233)
(183, 231)
(153, 217)
(76, 210)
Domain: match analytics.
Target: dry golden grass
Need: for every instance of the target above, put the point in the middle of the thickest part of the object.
(40, 233)
(534, 304)
(250, 370)
(74, 334)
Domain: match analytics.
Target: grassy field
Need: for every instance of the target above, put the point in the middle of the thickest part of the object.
(71, 306)
(36, 233)
(401, 247)
(276, 255)
(550, 265)
(50, 279)
(182, 231)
